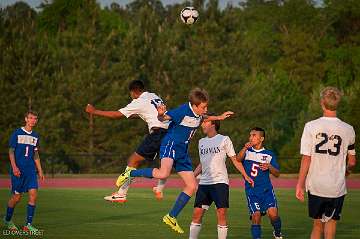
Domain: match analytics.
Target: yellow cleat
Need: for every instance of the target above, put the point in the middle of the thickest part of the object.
(124, 177)
(172, 222)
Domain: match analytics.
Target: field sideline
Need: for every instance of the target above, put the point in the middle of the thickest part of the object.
(80, 212)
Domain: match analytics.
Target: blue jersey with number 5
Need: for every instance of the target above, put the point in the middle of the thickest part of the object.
(25, 144)
(183, 125)
(252, 160)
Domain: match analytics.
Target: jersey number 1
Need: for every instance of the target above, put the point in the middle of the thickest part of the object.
(26, 151)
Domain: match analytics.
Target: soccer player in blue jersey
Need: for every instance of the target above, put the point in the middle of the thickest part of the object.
(259, 163)
(174, 149)
(25, 164)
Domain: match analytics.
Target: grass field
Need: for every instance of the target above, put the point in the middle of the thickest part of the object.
(82, 213)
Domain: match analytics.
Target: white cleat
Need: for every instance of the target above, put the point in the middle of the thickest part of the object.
(116, 197)
(158, 194)
(277, 237)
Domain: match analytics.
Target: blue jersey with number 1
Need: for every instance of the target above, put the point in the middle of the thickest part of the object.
(184, 123)
(25, 144)
(252, 160)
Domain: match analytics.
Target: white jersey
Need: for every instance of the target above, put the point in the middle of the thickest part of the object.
(327, 141)
(145, 108)
(213, 152)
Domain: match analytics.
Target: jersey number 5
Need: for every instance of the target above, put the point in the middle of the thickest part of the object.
(333, 138)
(254, 170)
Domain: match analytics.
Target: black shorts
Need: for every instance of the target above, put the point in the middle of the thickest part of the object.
(321, 207)
(150, 146)
(206, 194)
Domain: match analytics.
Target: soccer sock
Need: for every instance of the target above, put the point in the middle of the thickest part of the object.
(30, 213)
(9, 213)
(161, 184)
(180, 203)
(124, 188)
(194, 230)
(222, 231)
(144, 172)
(256, 231)
(277, 226)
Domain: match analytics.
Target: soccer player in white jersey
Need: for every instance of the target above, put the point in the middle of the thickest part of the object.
(326, 143)
(214, 180)
(144, 105)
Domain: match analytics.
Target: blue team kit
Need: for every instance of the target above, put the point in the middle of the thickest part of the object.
(25, 144)
(184, 123)
(260, 197)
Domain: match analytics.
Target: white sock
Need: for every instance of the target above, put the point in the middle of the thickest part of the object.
(194, 230)
(161, 184)
(222, 231)
(124, 188)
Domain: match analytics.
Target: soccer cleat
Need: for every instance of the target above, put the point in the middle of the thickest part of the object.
(30, 228)
(277, 237)
(158, 194)
(124, 177)
(172, 222)
(116, 197)
(10, 225)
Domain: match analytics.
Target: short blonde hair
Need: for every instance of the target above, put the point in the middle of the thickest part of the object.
(331, 97)
(198, 96)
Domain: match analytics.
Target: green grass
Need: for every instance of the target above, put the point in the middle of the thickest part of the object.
(82, 213)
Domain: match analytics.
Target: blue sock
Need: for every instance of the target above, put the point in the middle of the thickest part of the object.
(30, 213)
(277, 226)
(144, 172)
(180, 203)
(9, 213)
(256, 231)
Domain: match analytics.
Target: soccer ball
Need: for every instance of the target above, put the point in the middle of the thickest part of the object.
(189, 15)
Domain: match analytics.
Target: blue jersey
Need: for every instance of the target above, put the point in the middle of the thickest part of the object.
(252, 160)
(183, 125)
(25, 144)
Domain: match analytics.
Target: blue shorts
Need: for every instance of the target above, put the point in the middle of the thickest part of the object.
(179, 153)
(261, 201)
(23, 183)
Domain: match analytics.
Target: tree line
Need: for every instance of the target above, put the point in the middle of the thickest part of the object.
(265, 60)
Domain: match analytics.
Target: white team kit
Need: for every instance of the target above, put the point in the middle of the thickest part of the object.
(145, 107)
(328, 141)
(213, 153)
(214, 180)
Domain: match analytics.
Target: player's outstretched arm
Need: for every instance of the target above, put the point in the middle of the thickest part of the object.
(304, 168)
(15, 169)
(198, 170)
(38, 165)
(223, 116)
(162, 116)
(109, 114)
(239, 166)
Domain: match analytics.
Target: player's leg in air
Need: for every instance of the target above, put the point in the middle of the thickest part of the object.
(148, 150)
(184, 170)
(181, 201)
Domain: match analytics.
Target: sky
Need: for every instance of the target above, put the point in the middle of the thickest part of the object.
(35, 3)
